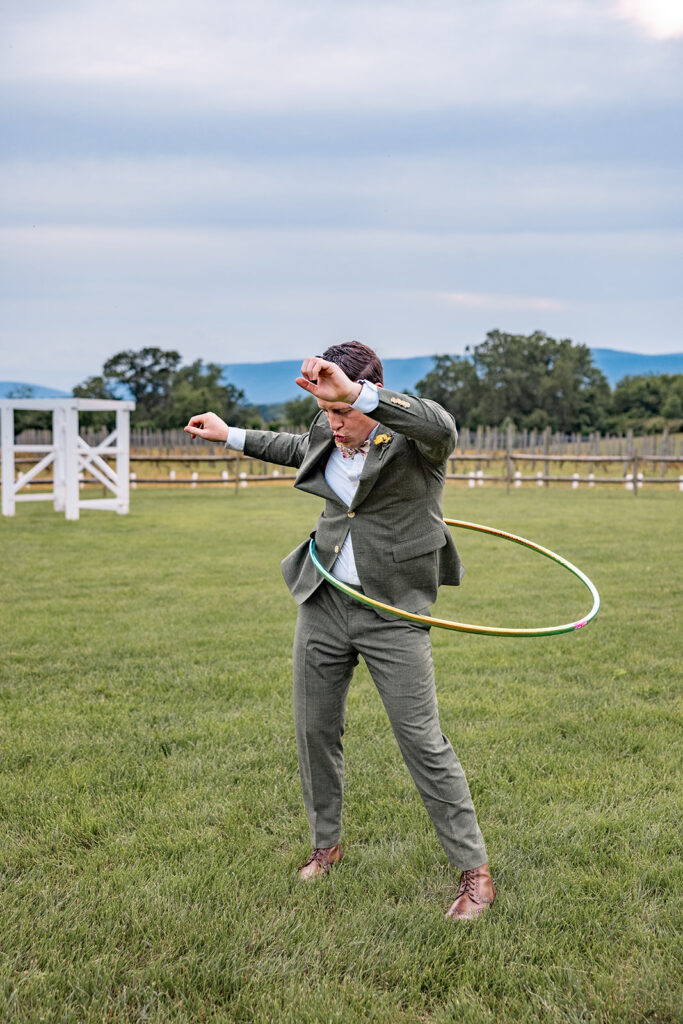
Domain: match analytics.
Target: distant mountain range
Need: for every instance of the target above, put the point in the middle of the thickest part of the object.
(615, 364)
(20, 389)
(270, 383)
(265, 383)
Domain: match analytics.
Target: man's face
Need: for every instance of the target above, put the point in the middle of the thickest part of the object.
(350, 426)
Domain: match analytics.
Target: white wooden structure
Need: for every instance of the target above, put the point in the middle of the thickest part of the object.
(70, 456)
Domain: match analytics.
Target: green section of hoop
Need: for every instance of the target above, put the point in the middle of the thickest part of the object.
(467, 627)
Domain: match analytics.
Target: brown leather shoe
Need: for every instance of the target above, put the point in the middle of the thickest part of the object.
(320, 862)
(476, 893)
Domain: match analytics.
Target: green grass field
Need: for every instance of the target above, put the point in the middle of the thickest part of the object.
(151, 816)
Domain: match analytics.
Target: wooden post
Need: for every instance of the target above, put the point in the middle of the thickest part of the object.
(546, 451)
(7, 425)
(664, 451)
(122, 461)
(59, 465)
(71, 461)
(509, 438)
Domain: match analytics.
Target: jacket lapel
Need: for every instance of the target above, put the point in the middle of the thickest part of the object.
(372, 468)
(311, 475)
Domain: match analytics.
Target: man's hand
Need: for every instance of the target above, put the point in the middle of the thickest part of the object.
(208, 426)
(327, 381)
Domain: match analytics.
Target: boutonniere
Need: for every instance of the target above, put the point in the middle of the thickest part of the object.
(384, 440)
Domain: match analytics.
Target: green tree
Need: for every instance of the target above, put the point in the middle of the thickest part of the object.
(198, 388)
(532, 380)
(454, 384)
(672, 409)
(28, 419)
(148, 375)
(300, 411)
(96, 387)
(511, 368)
(648, 400)
(576, 394)
(167, 394)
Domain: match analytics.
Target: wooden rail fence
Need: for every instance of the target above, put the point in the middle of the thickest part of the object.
(488, 455)
(482, 441)
(239, 471)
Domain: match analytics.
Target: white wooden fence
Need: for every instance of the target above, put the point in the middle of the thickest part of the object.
(71, 457)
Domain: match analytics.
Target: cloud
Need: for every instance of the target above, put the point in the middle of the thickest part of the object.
(229, 177)
(437, 193)
(285, 54)
(74, 296)
(662, 19)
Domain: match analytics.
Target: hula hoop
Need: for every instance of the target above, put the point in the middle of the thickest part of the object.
(467, 627)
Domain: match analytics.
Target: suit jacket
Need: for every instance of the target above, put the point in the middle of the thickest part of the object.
(403, 549)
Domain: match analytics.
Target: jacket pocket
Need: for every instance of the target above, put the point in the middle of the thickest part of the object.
(431, 541)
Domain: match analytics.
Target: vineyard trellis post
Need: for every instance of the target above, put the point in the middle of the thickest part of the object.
(509, 445)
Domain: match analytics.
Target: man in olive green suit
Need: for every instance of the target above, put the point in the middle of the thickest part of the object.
(378, 458)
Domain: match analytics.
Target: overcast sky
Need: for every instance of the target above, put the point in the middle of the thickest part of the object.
(255, 180)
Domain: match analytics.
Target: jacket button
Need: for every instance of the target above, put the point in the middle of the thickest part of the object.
(336, 549)
(350, 514)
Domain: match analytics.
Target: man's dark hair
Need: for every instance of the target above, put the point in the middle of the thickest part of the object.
(357, 361)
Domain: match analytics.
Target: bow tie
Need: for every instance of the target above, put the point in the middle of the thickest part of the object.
(349, 453)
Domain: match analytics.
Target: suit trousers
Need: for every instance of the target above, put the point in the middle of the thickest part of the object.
(332, 631)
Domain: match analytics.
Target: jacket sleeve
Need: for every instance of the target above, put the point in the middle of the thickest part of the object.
(282, 449)
(421, 419)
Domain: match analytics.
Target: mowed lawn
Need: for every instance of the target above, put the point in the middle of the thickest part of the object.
(152, 822)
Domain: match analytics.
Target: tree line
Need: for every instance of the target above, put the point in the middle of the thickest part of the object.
(533, 381)
(167, 394)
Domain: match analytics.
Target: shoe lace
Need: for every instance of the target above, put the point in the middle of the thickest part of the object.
(317, 855)
(468, 885)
